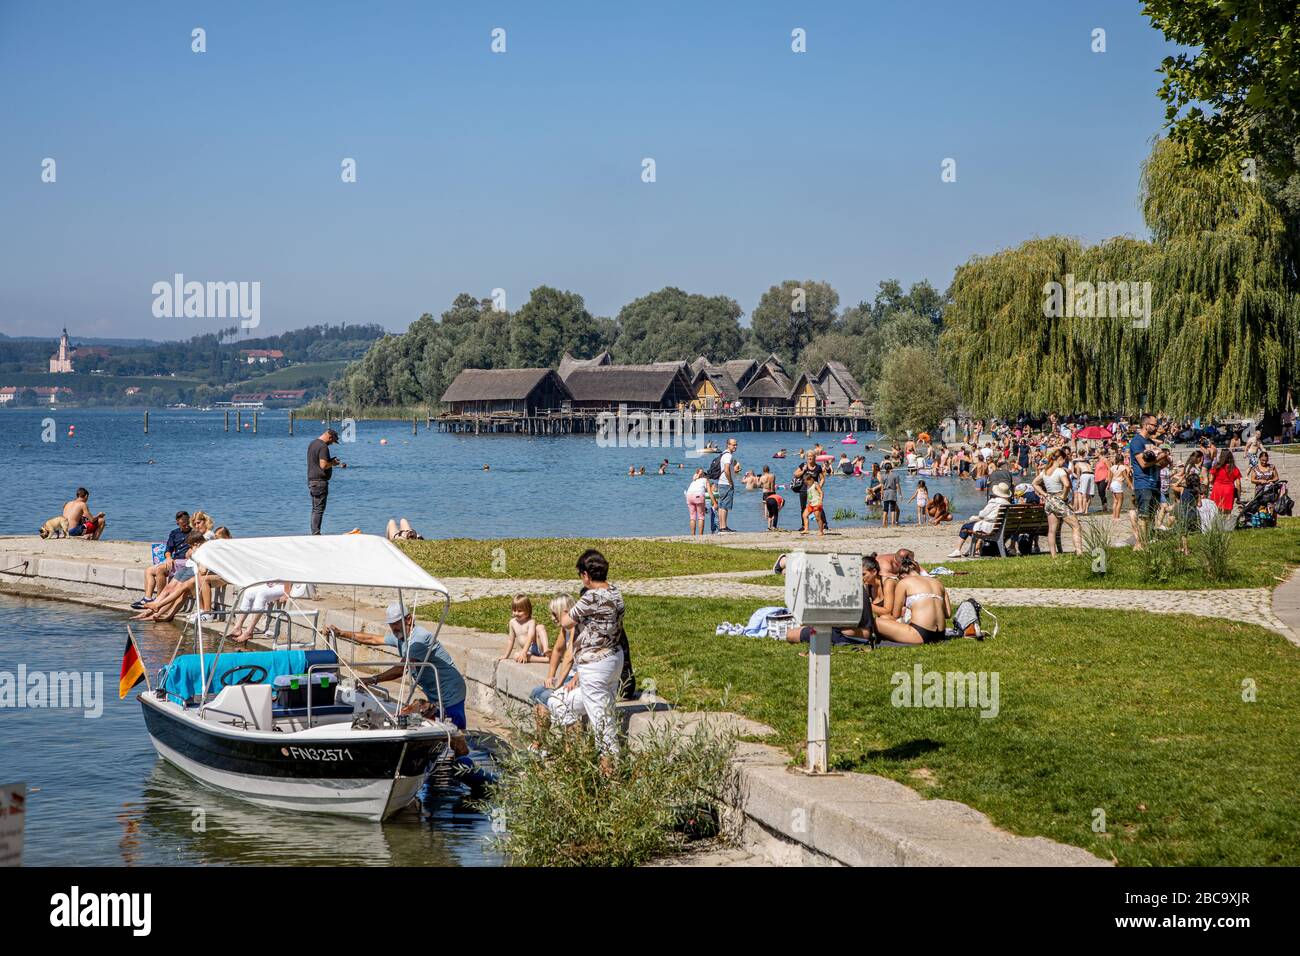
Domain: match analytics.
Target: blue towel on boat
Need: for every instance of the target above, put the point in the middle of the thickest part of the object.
(182, 679)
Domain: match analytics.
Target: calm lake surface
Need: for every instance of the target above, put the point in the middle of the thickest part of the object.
(257, 485)
(104, 798)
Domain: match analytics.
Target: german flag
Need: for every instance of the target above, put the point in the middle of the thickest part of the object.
(132, 669)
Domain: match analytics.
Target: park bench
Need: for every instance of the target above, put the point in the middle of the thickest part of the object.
(1013, 521)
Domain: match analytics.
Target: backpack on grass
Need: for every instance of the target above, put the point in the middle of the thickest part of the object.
(966, 619)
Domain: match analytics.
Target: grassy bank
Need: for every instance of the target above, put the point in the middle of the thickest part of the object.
(1139, 715)
(556, 557)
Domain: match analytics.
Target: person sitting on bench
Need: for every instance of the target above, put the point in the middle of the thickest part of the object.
(984, 522)
(920, 610)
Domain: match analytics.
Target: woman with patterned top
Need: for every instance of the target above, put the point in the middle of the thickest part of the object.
(597, 619)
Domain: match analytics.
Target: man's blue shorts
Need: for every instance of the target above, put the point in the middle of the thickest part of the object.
(455, 713)
(726, 494)
(1146, 501)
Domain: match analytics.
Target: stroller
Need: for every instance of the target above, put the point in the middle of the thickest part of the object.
(1262, 510)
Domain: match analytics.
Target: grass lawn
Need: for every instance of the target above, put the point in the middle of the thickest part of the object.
(1260, 558)
(1140, 715)
(555, 557)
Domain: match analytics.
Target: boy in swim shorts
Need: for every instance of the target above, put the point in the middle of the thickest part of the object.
(815, 509)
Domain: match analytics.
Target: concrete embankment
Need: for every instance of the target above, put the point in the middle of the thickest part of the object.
(788, 817)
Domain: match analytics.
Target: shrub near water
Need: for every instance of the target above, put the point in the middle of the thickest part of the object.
(669, 785)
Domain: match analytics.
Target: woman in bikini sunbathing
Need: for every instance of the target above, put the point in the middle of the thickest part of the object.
(920, 608)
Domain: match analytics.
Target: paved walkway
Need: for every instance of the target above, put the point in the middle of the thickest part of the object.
(1286, 607)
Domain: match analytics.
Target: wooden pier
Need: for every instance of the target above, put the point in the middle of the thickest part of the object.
(587, 423)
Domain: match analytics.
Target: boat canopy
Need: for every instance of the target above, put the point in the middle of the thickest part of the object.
(361, 560)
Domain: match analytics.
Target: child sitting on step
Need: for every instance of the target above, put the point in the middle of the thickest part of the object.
(530, 635)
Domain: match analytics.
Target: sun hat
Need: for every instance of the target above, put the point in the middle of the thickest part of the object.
(1002, 490)
(395, 613)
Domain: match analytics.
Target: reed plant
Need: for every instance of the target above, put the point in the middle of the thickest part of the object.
(1161, 558)
(1213, 550)
(554, 805)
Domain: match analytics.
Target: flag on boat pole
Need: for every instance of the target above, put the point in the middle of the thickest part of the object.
(132, 668)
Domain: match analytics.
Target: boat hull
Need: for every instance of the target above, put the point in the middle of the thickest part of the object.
(351, 774)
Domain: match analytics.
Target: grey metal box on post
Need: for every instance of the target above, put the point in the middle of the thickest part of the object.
(822, 591)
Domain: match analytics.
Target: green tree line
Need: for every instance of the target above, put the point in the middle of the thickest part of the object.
(799, 320)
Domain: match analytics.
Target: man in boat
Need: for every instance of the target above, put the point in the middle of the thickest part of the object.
(416, 644)
(80, 521)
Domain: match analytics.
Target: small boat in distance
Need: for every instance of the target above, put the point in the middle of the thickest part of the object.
(296, 728)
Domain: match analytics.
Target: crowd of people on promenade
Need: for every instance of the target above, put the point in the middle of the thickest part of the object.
(1124, 468)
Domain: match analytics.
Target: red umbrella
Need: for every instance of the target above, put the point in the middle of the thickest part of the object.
(1094, 433)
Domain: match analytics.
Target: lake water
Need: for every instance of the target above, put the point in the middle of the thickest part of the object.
(256, 484)
(104, 798)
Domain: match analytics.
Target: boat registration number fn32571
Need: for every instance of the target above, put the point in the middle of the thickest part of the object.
(317, 753)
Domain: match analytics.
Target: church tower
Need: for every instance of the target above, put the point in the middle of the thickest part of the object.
(62, 361)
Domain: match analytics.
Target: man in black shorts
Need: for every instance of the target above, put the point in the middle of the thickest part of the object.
(889, 490)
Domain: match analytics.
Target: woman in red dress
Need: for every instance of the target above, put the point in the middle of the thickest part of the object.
(1225, 480)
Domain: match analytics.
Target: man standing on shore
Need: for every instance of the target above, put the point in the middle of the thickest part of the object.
(320, 465)
(1146, 459)
(727, 484)
(889, 490)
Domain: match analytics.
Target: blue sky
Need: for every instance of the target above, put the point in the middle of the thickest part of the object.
(479, 170)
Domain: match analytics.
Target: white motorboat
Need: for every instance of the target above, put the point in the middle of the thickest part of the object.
(220, 717)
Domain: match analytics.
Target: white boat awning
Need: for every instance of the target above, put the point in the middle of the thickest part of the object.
(361, 560)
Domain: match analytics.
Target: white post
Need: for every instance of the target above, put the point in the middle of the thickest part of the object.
(819, 699)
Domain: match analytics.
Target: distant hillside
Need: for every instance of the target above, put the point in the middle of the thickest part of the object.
(198, 371)
(76, 340)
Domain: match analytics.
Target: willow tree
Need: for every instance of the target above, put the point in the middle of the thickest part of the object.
(1208, 329)
(1224, 336)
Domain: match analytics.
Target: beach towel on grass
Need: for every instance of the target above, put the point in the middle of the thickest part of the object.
(757, 626)
(181, 678)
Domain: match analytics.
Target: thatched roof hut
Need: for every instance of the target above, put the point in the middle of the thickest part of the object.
(806, 396)
(568, 363)
(741, 370)
(843, 393)
(505, 391)
(712, 387)
(768, 388)
(662, 385)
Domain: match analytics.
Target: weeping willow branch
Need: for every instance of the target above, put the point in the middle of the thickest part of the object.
(1220, 336)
